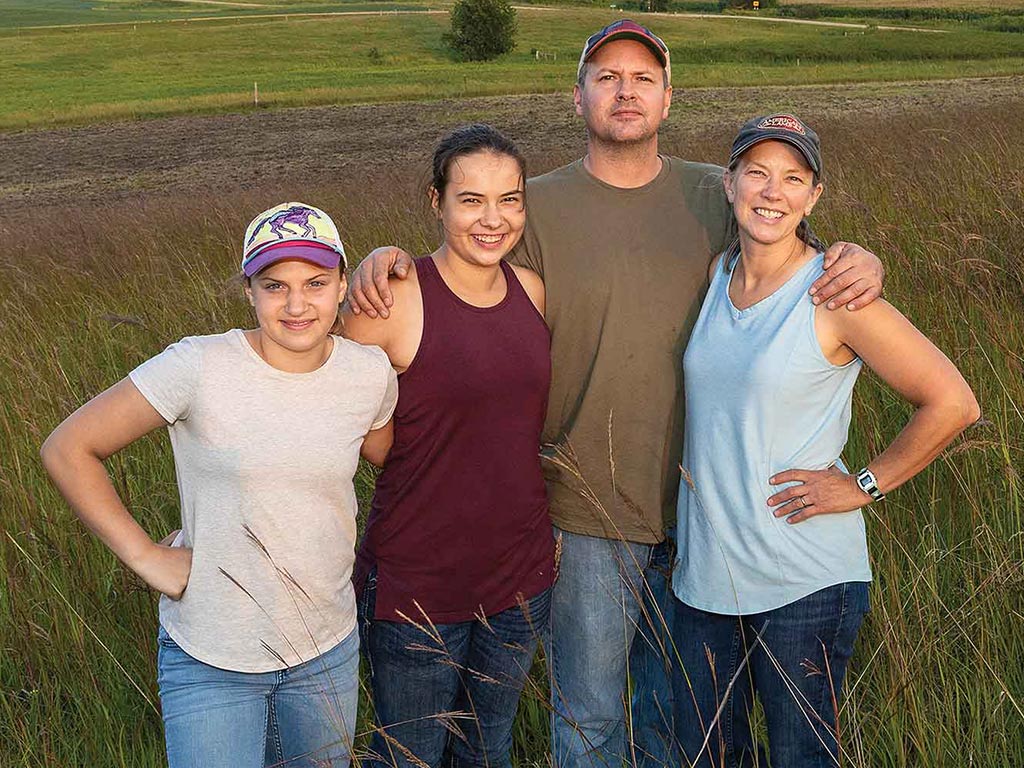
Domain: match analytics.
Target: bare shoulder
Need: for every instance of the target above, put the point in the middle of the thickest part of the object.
(532, 284)
(713, 266)
(379, 330)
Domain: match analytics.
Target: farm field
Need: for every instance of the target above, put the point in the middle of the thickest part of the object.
(85, 74)
(974, 5)
(133, 242)
(133, 157)
(31, 13)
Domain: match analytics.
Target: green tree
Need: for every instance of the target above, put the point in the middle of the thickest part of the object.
(481, 29)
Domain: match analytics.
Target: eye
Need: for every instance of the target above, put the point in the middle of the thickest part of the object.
(796, 179)
(755, 172)
(514, 199)
(317, 283)
(272, 286)
(471, 200)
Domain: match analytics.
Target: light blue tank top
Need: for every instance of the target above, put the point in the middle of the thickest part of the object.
(761, 397)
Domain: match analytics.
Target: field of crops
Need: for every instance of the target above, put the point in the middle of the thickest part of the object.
(87, 74)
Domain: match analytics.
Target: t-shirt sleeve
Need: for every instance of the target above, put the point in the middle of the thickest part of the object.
(390, 399)
(170, 380)
(527, 252)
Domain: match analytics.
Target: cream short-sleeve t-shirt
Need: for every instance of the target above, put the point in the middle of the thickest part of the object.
(265, 460)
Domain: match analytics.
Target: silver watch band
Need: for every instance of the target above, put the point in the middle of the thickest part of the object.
(869, 484)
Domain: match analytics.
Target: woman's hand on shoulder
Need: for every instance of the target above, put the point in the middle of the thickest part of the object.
(370, 289)
(379, 329)
(532, 284)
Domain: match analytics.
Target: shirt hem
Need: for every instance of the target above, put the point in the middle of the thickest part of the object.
(732, 610)
(214, 661)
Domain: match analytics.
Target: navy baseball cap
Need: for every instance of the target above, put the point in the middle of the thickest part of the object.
(626, 29)
(779, 127)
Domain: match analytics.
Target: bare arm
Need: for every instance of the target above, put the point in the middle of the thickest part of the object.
(908, 362)
(368, 289)
(73, 456)
(377, 444)
(853, 278)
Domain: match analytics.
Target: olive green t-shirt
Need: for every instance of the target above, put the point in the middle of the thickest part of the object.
(625, 271)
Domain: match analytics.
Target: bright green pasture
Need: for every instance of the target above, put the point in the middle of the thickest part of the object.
(30, 13)
(86, 74)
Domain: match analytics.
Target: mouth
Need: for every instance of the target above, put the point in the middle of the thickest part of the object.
(297, 325)
(769, 213)
(628, 114)
(489, 241)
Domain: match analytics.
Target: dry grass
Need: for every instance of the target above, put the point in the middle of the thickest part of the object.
(87, 293)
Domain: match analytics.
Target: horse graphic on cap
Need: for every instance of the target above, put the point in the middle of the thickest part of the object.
(295, 216)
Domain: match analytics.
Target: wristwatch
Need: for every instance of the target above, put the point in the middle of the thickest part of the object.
(867, 482)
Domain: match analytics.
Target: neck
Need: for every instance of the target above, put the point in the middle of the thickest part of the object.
(760, 262)
(627, 166)
(287, 360)
(466, 279)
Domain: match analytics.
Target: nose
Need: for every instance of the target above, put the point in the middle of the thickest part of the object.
(627, 90)
(296, 303)
(490, 216)
(772, 188)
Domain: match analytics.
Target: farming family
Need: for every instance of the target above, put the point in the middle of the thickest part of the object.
(544, 480)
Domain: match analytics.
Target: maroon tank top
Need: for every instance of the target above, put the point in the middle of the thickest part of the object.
(459, 522)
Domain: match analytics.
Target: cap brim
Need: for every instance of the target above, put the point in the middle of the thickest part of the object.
(630, 34)
(787, 138)
(320, 255)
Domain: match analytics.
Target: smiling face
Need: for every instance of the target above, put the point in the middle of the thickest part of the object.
(771, 189)
(296, 303)
(623, 97)
(482, 209)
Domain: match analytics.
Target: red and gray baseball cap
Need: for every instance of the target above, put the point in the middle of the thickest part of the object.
(291, 231)
(779, 127)
(626, 29)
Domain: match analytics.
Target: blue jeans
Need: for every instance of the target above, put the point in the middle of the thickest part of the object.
(447, 693)
(609, 622)
(793, 658)
(299, 716)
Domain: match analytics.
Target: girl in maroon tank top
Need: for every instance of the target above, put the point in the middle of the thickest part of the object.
(457, 561)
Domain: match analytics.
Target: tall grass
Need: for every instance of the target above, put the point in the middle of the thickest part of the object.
(85, 294)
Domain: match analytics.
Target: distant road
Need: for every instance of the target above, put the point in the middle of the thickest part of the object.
(427, 11)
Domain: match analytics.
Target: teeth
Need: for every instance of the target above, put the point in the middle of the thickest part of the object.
(488, 238)
(768, 214)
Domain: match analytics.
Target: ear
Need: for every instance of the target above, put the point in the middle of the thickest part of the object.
(247, 287)
(342, 288)
(668, 102)
(730, 193)
(435, 202)
(814, 198)
(577, 98)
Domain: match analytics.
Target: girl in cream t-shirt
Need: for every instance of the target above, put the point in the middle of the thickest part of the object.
(258, 657)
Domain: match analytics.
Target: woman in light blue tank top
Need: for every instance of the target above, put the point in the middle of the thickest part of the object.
(772, 574)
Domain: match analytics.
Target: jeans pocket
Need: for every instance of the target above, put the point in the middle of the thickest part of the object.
(364, 615)
(164, 639)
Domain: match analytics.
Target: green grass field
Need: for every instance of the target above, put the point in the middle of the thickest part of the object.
(85, 74)
(936, 680)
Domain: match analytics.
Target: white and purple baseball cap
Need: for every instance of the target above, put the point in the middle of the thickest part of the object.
(291, 231)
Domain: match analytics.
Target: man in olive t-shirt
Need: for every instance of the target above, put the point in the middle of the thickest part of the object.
(623, 239)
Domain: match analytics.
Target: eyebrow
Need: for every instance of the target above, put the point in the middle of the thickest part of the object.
(481, 194)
